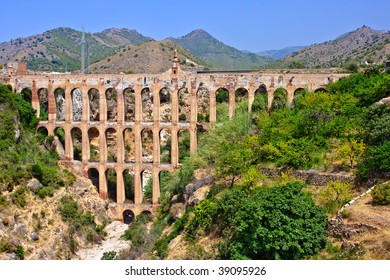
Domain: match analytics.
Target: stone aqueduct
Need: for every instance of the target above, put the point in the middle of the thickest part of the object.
(136, 110)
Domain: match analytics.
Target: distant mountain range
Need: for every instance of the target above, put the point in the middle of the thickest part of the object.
(279, 54)
(117, 50)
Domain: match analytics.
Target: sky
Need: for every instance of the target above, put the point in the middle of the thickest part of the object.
(244, 24)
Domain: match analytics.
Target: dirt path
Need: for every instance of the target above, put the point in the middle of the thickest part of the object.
(113, 242)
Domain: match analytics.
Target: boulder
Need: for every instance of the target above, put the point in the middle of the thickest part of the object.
(21, 229)
(34, 236)
(177, 210)
(34, 184)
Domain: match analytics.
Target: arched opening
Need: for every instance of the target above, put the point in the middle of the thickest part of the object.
(111, 141)
(111, 104)
(147, 185)
(93, 139)
(183, 137)
(59, 95)
(77, 104)
(129, 142)
(165, 105)
(321, 90)
(94, 106)
(147, 145)
(93, 175)
(129, 104)
(147, 215)
(77, 141)
(43, 104)
(129, 186)
(184, 105)
(147, 105)
(128, 217)
(222, 101)
(111, 184)
(298, 94)
(203, 105)
(165, 145)
(241, 98)
(280, 99)
(26, 95)
(60, 133)
(42, 131)
(260, 103)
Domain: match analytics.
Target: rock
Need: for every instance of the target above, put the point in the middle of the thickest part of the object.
(9, 221)
(177, 210)
(34, 185)
(198, 195)
(81, 186)
(21, 229)
(192, 187)
(34, 236)
(175, 199)
(11, 257)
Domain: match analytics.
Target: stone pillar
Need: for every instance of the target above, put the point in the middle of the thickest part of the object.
(120, 186)
(102, 145)
(251, 96)
(52, 112)
(120, 106)
(290, 95)
(213, 106)
(85, 104)
(232, 101)
(156, 184)
(103, 182)
(270, 93)
(120, 156)
(84, 142)
(138, 146)
(35, 98)
(193, 121)
(174, 129)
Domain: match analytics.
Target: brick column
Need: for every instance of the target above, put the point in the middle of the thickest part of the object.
(156, 184)
(120, 186)
(194, 118)
(174, 129)
(270, 97)
(213, 106)
(103, 182)
(35, 98)
(138, 147)
(232, 101)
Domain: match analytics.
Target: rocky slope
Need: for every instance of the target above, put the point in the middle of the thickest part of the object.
(151, 57)
(362, 45)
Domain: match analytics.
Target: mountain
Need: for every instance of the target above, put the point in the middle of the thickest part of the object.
(59, 49)
(361, 46)
(151, 57)
(217, 54)
(279, 54)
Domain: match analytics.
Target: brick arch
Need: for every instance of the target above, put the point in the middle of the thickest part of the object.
(60, 103)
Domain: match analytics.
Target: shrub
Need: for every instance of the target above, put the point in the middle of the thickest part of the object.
(111, 255)
(334, 196)
(381, 195)
(19, 196)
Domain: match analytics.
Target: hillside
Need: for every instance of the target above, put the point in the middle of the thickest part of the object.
(218, 54)
(361, 46)
(151, 57)
(60, 49)
(279, 54)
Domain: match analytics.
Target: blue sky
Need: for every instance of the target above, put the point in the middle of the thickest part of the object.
(245, 24)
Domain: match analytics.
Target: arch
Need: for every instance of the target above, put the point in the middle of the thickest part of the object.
(129, 145)
(298, 94)
(222, 104)
(27, 95)
(111, 142)
(60, 133)
(128, 180)
(280, 99)
(203, 105)
(165, 145)
(93, 175)
(93, 140)
(77, 104)
(77, 140)
(42, 131)
(260, 103)
(147, 145)
(241, 98)
(128, 216)
(147, 185)
(59, 95)
(111, 104)
(129, 104)
(184, 105)
(147, 105)
(321, 89)
(43, 97)
(165, 105)
(111, 184)
(94, 106)
(183, 137)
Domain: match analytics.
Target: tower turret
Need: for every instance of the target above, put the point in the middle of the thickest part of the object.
(175, 64)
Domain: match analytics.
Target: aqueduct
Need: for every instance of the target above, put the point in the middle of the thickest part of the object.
(115, 126)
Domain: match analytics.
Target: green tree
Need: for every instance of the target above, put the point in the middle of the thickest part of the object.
(352, 149)
(334, 196)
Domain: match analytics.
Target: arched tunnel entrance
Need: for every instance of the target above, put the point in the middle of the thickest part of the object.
(128, 216)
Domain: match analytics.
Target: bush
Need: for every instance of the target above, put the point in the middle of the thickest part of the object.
(334, 196)
(381, 195)
(19, 196)
(111, 255)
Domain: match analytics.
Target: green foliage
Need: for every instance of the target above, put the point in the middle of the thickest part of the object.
(111, 255)
(296, 65)
(20, 252)
(352, 150)
(19, 196)
(376, 128)
(381, 195)
(334, 196)
(222, 96)
(276, 223)
(378, 158)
